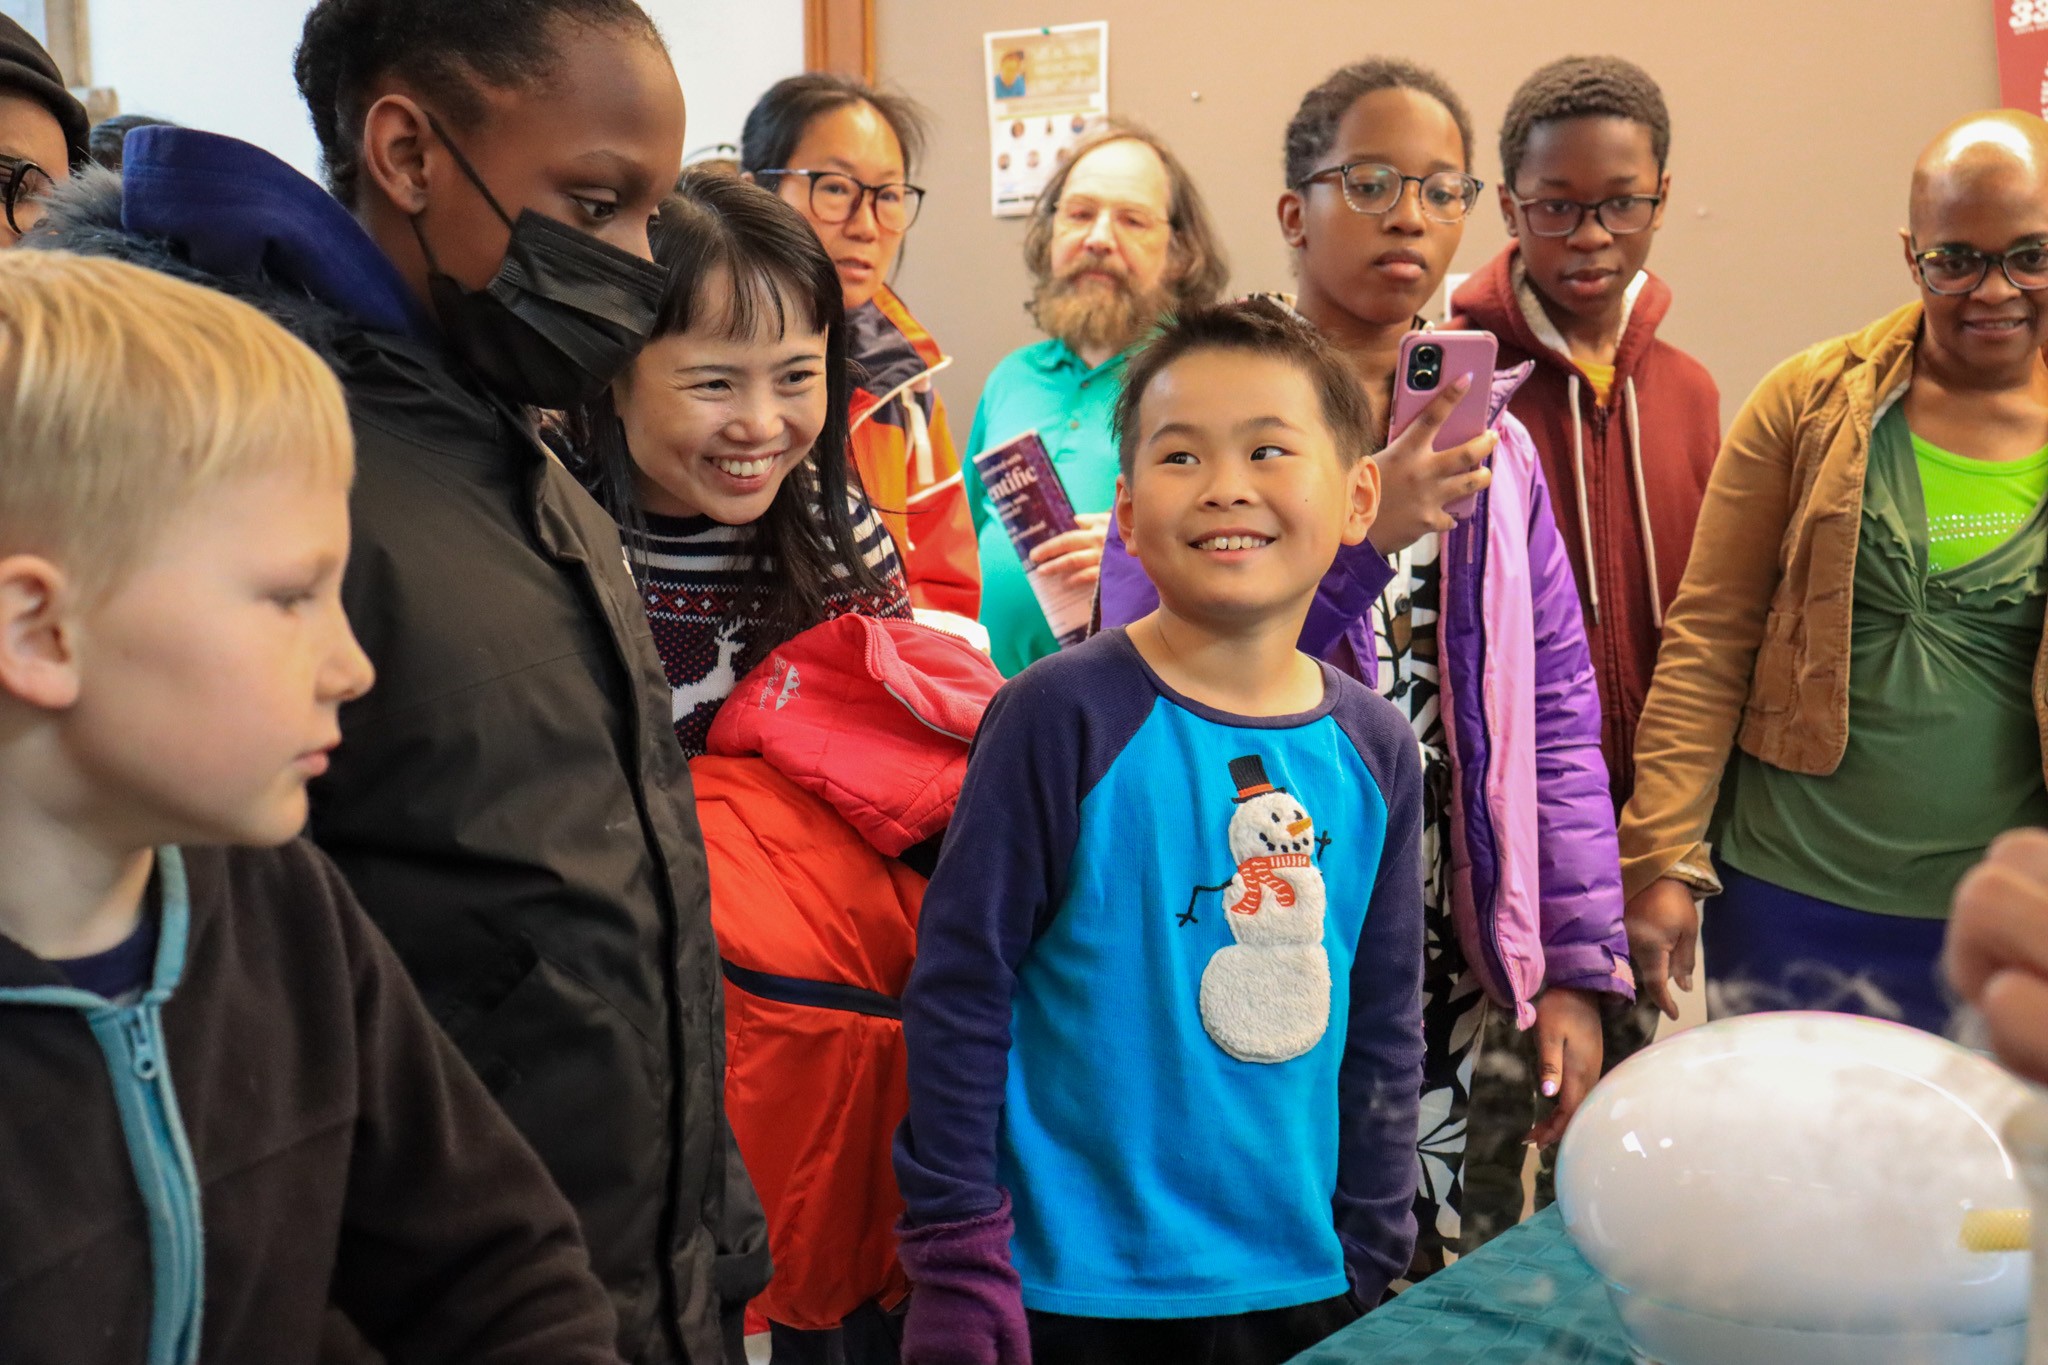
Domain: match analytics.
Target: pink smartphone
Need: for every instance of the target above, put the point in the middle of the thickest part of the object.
(1430, 360)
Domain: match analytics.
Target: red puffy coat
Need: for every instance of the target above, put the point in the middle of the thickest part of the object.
(844, 748)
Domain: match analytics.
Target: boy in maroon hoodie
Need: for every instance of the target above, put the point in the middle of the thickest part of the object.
(1627, 427)
(1627, 424)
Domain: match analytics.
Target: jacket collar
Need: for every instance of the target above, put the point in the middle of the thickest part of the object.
(1499, 299)
(1879, 361)
(236, 211)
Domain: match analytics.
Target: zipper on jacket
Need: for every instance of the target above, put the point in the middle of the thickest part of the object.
(133, 1039)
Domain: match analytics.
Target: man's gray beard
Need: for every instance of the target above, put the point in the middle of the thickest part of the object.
(1095, 318)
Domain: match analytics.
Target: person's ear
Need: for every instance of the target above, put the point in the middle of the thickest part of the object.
(38, 633)
(1507, 208)
(1906, 246)
(1289, 210)
(748, 176)
(1364, 508)
(1122, 508)
(1663, 201)
(394, 157)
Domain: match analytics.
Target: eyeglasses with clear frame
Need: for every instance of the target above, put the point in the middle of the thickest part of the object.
(1621, 215)
(1369, 187)
(25, 185)
(836, 197)
(1960, 269)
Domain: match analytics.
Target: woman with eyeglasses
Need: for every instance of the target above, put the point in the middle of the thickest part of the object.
(1850, 698)
(842, 154)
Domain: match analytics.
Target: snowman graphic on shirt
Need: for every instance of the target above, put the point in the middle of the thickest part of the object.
(1266, 996)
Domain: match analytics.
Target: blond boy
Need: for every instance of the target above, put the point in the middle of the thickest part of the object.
(224, 1106)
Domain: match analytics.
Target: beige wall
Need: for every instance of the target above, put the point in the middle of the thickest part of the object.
(1795, 124)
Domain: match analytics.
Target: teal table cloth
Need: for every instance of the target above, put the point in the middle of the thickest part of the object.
(1525, 1298)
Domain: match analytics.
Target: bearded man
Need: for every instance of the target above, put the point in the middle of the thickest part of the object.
(1118, 239)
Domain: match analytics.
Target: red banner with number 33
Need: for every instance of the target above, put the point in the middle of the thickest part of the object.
(2023, 54)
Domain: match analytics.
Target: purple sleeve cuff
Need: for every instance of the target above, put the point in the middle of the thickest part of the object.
(1588, 967)
(966, 1302)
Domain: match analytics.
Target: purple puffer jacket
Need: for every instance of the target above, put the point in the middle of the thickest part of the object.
(1535, 870)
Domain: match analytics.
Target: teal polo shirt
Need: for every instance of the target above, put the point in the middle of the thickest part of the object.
(1048, 389)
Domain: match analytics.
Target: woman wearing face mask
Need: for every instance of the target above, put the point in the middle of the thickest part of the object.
(719, 449)
(842, 154)
(1528, 933)
(508, 802)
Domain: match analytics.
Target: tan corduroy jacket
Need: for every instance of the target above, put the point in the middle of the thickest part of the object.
(1756, 646)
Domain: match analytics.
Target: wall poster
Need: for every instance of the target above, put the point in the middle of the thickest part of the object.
(2023, 54)
(1047, 89)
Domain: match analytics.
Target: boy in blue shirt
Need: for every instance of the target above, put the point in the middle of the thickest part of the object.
(1164, 1029)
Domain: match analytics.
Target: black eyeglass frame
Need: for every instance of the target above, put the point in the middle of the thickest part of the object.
(1472, 183)
(863, 193)
(1597, 207)
(1984, 260)
(15, 169)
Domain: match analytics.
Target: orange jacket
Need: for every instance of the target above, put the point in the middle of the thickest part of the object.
(903, 448)
(845, 747)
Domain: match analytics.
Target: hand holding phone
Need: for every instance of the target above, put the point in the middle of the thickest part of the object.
(1432, 469)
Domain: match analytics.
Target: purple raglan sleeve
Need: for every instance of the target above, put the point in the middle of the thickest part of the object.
(1047, 738)
(1045, 741)
(1354, 582)
(1379, 1083)
(1584, 944)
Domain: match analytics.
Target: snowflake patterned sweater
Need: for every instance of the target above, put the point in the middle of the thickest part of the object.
(1167, 995)
(699, 593)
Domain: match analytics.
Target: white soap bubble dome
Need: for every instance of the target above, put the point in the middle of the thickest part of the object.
(1792, 1189)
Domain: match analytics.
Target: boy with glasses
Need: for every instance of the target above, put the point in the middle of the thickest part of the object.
(1627, 427)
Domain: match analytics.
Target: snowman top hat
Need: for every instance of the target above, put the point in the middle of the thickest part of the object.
(1249, 773)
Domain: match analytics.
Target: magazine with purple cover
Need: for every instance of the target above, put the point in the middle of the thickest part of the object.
(1033, 506)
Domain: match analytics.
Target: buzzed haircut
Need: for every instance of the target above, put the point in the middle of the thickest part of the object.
(1583, 87)
(1258, 327)
(1313, 129)
(445, 50)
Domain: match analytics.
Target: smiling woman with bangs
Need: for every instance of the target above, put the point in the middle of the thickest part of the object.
(722, 450)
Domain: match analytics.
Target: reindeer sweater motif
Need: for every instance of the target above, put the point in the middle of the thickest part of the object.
(1167, 995)
(699, 595)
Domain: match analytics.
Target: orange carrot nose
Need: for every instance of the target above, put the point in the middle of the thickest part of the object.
(1299, 827)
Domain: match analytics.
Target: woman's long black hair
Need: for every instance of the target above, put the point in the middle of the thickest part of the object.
(712, 226)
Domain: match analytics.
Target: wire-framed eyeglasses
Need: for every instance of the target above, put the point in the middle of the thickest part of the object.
(835, 198)
(1960, 269)
(1621, 215)
(1369, 187)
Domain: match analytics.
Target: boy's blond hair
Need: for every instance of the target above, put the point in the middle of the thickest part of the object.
(124, 392)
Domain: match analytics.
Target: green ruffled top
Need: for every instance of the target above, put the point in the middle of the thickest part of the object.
(1944, 748)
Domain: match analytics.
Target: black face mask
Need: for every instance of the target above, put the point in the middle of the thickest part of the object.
(563, 317)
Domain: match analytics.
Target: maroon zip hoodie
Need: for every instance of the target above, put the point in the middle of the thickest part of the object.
(1626, 478)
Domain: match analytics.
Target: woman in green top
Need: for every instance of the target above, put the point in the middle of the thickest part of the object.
(1835, 880)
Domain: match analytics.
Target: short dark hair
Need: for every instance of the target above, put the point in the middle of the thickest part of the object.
(108, 135)
(1582, 87)
(1313, 129)
(777, 121)
(444, 48)
(1255, 326)
(1202, 268)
